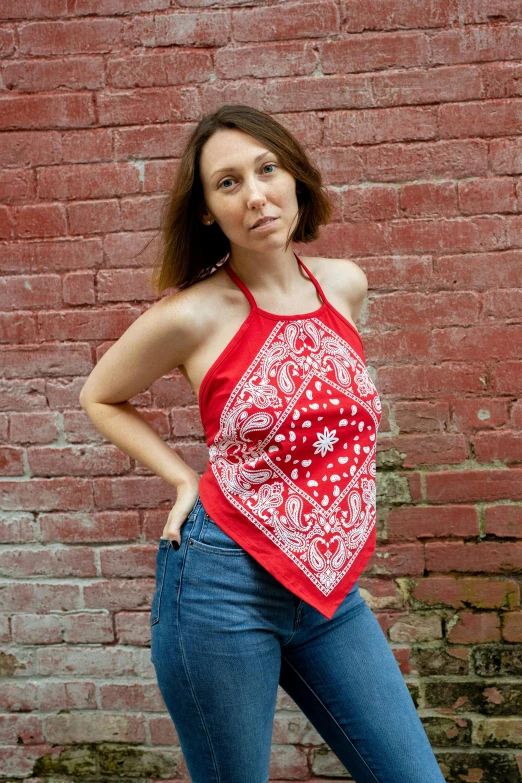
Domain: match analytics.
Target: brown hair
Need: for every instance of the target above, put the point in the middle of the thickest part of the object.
(189, 251)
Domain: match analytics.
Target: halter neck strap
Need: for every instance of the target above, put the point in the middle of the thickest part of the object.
(247, 292)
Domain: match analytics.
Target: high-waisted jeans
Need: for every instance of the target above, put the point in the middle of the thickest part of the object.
(225, 633)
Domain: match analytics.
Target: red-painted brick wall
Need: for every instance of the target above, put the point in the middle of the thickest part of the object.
(413, 111)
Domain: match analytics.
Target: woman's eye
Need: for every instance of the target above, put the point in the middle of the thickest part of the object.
(228, 179)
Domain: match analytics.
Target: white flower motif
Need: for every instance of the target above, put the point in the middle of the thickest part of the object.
(325, 441)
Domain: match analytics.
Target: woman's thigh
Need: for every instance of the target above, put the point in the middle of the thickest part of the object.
(216, 651)
(343, 675)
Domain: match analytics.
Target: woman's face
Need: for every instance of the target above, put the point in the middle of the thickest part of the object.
(242, 182)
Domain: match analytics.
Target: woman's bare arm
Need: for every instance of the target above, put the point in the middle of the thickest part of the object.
(152, 346)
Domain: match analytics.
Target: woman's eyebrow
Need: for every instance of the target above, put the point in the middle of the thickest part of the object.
(233, 168)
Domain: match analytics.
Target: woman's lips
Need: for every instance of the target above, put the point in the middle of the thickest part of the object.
(265, 226)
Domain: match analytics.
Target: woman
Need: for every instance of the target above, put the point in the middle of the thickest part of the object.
(256, 571)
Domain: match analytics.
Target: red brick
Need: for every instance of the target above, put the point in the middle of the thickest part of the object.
(87, 146)
(458, 343)
(128, 561)
(454, 83)
(506, 156)
(512, 626)
(6, 223)
(7, 41)
(482, 11)
(58, 360)
(485, 118)
(428, 160)
(5, 633)
(124, 249)
(32, 9)
(96, 180)
(50, 255)
(30, 292)
(423, 416)
(474, 485)
(79, 73)
(96, 325)
(434, 380)
(51, 563)
(158, 70)
(94, 217)
(503, 521)
(15, 327)
(150, 141)
(505, 446)
(23, 729)
(89, 628)
(487, 556)
(125, 285)
(16, 530)
(397, 559)
(425, 199)
(22, 395)
(367, 203)
(495, 42)
(416, 628)
(434, 449)
(479, 414)
(139, 214)
(11, 461)
(505, 303)
(373, 52)
(506, 378)
(64, 729)
(479, 592)
(487, 195)
(30, 597)
(439, 310)
(104, 526)
(31, 148)
(122, 696)
(411, 523)
(35, 427)
(94, 460)
(501, 80)
(133, 628)
(371, 126)
(70, 37)
(482, 271)
(39, 220)
(110, 7)
(259, 24)
(148, 105)
(392, 14)
(212, 28)
(17, 185)
(36, 629)
(477, 628)
(46, 111)
(159, 175)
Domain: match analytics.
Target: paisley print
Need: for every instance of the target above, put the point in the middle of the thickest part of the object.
(296, 445)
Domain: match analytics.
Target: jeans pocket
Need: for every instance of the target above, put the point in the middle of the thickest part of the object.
(212, 539)
(161, 566)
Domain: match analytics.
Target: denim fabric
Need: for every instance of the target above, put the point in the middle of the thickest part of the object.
(225, 633)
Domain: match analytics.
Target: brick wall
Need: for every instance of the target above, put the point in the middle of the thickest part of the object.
(413, 111)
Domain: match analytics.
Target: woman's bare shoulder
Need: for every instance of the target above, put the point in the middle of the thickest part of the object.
(202, 296)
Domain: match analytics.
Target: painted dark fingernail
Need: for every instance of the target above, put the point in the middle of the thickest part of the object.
(175, 545)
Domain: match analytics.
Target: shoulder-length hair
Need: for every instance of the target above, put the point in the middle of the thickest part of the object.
(190, 251)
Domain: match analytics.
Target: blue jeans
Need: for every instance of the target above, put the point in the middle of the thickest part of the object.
(225, 633)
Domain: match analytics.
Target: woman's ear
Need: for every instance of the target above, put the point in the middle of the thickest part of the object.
(204, 216)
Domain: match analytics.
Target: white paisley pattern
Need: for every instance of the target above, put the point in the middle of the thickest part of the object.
(296, 447)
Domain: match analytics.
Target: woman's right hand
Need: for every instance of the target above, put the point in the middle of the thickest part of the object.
(186, 498)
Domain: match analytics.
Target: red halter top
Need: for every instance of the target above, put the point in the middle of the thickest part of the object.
(291, 414)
